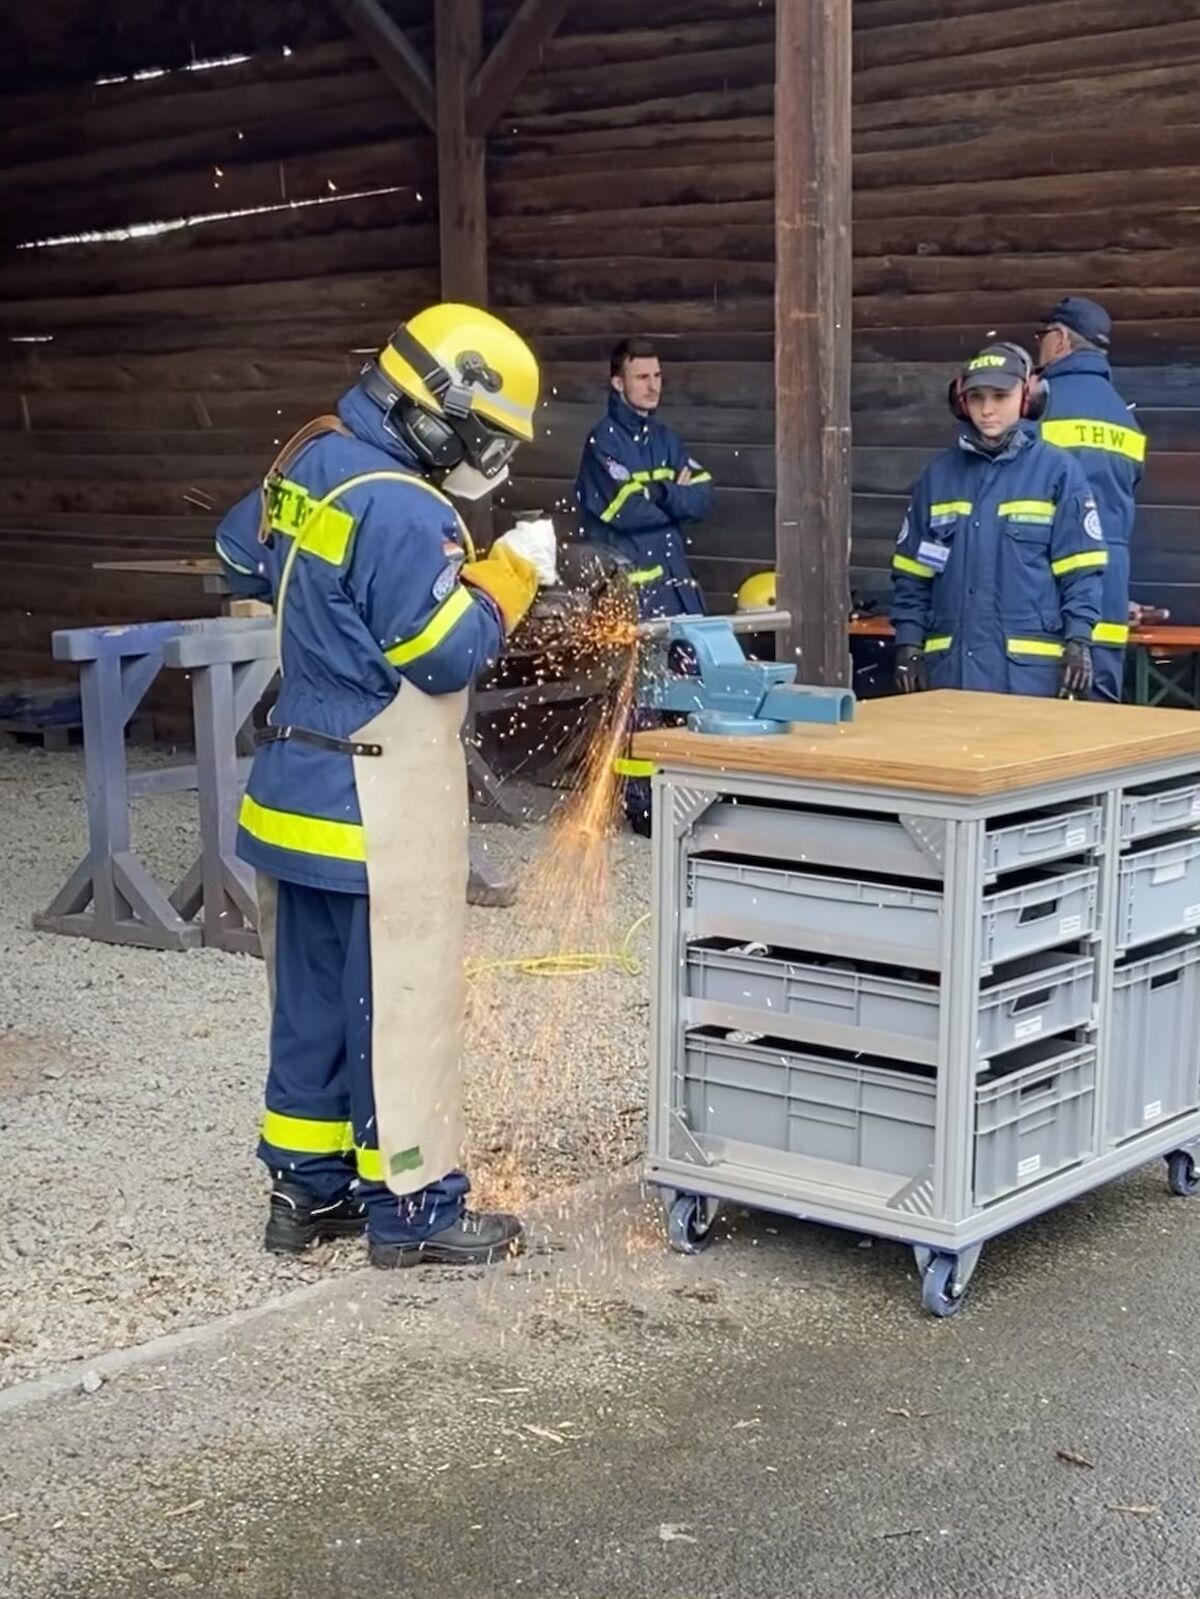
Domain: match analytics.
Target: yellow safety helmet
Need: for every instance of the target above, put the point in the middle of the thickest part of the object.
(757, 593)
(459, 387)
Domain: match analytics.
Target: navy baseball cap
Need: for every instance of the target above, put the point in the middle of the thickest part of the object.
(997, 366)
(1091, 321)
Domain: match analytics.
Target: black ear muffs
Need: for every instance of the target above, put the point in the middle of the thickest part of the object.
(434, 440)
(1037, 396)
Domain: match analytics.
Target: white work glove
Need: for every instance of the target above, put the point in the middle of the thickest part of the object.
(535, 542)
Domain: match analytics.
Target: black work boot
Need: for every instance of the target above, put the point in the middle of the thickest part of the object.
(477, 1238)
(299, 1219)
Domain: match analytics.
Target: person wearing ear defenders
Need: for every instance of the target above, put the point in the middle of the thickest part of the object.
(997, 572)
(355, 813)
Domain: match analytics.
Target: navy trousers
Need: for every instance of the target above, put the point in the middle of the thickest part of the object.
(319, 1127)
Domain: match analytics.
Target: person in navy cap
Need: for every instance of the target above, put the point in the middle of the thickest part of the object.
(1085, 414)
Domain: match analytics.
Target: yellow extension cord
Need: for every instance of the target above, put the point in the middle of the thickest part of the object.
(571, 963)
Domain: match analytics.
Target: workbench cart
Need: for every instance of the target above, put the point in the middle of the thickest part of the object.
(928, 973)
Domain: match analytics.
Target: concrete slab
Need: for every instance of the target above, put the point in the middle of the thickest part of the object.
(774, 1418)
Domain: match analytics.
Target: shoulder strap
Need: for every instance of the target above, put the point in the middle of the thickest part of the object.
(303, 436)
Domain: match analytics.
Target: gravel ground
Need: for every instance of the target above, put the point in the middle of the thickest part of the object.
(130, 1082)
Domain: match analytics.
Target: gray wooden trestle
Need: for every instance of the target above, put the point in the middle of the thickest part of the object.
(112, 895)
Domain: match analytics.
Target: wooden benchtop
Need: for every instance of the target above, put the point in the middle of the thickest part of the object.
(946, 743)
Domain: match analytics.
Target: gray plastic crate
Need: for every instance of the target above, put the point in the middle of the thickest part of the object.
(1154, 1051)
(844, 1008)
(1158, 892)
(810, 837)
(893, 926)
(1049, 909)
(1034, 1119)
(1159, 808)
(1033, 998)
(856, 1113)
(1044, 835)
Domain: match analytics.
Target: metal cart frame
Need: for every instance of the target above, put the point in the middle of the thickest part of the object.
(937, 1216)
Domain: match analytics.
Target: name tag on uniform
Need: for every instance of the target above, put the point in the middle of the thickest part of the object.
(933, 554)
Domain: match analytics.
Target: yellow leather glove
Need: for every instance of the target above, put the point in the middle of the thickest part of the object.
(507, 578)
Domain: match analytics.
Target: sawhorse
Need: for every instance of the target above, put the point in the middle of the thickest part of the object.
(111, 895)
(231, 664)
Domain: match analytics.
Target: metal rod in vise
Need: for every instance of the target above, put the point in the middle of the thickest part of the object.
(739, 621)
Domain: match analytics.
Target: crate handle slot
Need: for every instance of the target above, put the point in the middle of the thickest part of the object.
(1169, 873)
(1029, 1090)
(1165, 979)
(1038, 913)
(1040, 996)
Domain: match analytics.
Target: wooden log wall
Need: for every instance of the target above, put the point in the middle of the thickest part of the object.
(145, 382)
(1005, 153)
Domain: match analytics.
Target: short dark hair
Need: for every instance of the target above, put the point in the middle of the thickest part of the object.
(630, 350)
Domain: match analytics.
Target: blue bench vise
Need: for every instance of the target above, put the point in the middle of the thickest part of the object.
(729, 694)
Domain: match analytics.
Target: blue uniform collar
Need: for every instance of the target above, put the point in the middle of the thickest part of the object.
(626, 417)
(365, 420)
(1092, 362)
(1021, 439)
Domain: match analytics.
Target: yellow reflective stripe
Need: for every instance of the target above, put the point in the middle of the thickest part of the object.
(309, 835)
(1076, 563)
(1110, 633)
(625, 492)
(658, 474)
(1035, 508)
(246, 571)
(324, 529)
(1088, 433)
(626, 766)
(645, 574)
(322, 505)
(952, 508)
(306, 1136)
(698, 477)
(902, 563)
(449, 612)
(1032, 646)
(934, 645)
(369, 1163)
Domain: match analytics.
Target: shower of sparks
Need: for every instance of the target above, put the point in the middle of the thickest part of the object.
(530, 1093)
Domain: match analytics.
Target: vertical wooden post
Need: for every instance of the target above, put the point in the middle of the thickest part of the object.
(462, 197)
(462, 203)
(812, 333)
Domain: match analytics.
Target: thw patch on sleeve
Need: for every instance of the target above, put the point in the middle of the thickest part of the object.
(693, 465)
(446, 579)
(1091, 521)
(618, 473)
(903, 533)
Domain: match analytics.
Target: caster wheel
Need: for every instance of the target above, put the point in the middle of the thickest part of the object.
(1181, 1174)
(687, 1231)
(936, 1287)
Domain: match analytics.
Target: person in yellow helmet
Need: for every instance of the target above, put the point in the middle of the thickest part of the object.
(355, 813)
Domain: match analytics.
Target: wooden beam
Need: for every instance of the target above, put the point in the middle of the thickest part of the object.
(812, 332)
(462, 203)
(511, 58)
(462, 198)
(387, 45)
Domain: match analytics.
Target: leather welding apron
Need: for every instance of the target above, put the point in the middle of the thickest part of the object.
(413, 800)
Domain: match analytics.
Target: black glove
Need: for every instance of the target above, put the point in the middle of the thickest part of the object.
(1075, 683)
(910, 668)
